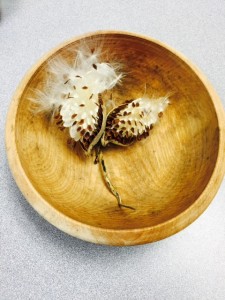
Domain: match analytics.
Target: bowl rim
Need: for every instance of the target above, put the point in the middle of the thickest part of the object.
(116, 237)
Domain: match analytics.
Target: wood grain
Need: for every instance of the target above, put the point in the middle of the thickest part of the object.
(170, 178)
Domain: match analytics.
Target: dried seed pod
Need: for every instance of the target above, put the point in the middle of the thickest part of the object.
(133, 120)
(85, 122)
(73, 95)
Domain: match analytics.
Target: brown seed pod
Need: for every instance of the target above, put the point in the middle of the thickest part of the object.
(73, 95)
(85, 118)
(133, 120)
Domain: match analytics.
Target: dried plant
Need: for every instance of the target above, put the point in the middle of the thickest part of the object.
(73, 96)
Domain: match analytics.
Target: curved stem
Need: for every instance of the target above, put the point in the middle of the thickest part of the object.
(99, 158)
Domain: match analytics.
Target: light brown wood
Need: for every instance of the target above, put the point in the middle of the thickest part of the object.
(170, 178)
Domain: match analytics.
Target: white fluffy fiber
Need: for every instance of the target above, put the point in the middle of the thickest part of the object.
(65, 79)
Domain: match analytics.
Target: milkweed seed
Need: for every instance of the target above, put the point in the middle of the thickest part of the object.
(81, 122)
(66, 81)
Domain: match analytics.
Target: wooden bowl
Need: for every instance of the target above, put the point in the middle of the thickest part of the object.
(170, 178)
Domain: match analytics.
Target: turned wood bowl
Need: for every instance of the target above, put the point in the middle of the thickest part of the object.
(169, 178)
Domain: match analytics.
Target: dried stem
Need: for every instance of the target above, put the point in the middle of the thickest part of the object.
(99, 158)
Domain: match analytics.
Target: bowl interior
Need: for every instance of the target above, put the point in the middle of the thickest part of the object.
(160, 176)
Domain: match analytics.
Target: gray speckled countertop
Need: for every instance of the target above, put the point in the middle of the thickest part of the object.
(37, 261)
